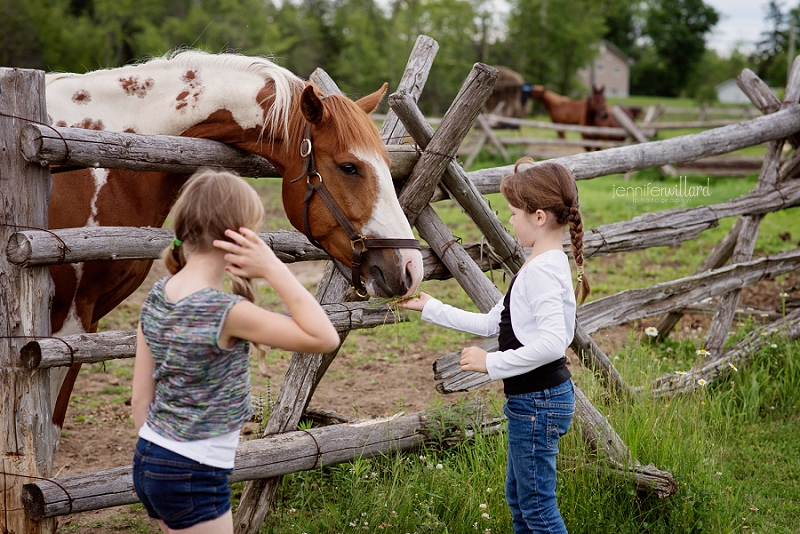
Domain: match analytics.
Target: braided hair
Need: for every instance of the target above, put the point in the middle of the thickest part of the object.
(549, 186)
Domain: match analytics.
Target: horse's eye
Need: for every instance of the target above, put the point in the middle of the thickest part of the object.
(349, 169)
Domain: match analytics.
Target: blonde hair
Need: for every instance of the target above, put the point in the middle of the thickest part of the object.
(549, 186)
(210, 202)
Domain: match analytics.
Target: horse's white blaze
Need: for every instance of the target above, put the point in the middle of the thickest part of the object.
(388, 219)
(100, 179)
(169, 95)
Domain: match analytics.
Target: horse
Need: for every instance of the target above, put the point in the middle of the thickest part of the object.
(562, 109)
(597, 114)
(247, 102)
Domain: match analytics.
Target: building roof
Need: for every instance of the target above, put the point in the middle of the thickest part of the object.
(614, 49)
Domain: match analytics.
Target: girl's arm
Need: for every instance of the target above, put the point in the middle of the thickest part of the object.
(307, 330)
(434, 311)
(144, 387)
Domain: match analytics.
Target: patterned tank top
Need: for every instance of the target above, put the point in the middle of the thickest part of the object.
(202, 390)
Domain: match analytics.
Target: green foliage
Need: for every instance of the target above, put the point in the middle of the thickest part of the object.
(551, 40)
(677, 29)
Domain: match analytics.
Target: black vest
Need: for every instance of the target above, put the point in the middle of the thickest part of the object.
(541, 378)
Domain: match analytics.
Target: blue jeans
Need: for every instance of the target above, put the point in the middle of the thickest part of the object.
(536, 421)
(178, 490)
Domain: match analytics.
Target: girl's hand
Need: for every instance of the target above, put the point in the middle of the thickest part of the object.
(415, 303)
(473, 359)
(249, 256)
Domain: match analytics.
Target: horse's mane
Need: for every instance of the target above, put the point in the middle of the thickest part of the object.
(285, 82)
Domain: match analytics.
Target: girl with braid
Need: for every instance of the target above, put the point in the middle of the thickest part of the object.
(191, 382)
(536, 323)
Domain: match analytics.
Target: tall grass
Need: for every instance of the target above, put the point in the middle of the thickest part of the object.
(730, 445)
(699, 437)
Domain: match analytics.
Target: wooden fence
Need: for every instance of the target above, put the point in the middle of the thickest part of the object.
(430, 176)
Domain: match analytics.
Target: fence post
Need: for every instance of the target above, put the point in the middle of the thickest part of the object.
(27, 435)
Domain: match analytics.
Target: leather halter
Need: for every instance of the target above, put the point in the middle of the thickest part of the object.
(359, 243)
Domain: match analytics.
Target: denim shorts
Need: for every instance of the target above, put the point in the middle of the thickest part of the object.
(178, 490)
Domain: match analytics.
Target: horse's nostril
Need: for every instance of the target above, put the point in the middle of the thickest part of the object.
(408, 278)
(380, 280)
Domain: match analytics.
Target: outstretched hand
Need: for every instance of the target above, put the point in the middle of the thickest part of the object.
(414, 303)
(248, 256)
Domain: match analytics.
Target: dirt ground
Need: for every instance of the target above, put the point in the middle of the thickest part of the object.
(98, 432)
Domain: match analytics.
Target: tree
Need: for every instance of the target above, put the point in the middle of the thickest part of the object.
(771, 53)
(553, 39)
(622, 24)
(677, 30)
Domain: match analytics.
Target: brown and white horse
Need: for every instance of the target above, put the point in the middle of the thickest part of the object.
(247, 102)
(589, 111)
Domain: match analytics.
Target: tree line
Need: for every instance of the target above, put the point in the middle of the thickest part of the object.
(362, 43)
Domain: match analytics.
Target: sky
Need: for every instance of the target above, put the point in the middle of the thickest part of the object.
(741, 22)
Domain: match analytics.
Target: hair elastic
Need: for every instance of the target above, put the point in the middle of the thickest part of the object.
(176, 243)
(580, 273)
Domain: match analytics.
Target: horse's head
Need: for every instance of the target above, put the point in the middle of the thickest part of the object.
(538, 91)
(342, 166)
(596, 105)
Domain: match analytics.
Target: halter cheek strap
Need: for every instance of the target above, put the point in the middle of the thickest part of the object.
(359, 243)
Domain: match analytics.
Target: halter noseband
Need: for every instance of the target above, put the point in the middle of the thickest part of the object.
(359, 243)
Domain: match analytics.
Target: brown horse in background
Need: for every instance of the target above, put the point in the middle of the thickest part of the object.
(590, 111)
(562, 109)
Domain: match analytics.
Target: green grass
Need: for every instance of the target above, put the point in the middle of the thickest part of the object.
(731, 447)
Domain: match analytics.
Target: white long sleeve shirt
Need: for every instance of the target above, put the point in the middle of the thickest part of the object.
(542, 317)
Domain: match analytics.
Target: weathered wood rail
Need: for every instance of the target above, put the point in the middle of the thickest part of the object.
(272, 456)
(119, 344)
(76, 147)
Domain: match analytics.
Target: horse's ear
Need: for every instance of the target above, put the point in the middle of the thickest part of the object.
(370, 102)
(311, 105)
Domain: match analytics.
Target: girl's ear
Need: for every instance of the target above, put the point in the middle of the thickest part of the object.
(540, 217)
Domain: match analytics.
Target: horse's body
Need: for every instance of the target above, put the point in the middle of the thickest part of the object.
(249, 103)
(589, 111)
(562, 109)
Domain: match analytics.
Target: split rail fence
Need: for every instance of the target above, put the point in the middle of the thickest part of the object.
(431, 174)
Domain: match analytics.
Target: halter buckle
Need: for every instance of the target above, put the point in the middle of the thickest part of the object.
(308, 178)
(305, 148)
(360, 239)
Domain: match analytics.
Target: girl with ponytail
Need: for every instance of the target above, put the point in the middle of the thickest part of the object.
(191, 383)
(535, 323)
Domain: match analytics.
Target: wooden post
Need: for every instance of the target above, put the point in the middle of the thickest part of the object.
(27, 434)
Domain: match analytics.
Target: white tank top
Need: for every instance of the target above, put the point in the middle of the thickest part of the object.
(218, 451)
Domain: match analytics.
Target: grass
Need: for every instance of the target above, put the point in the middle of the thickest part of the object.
(732, 451)
(732, 445)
